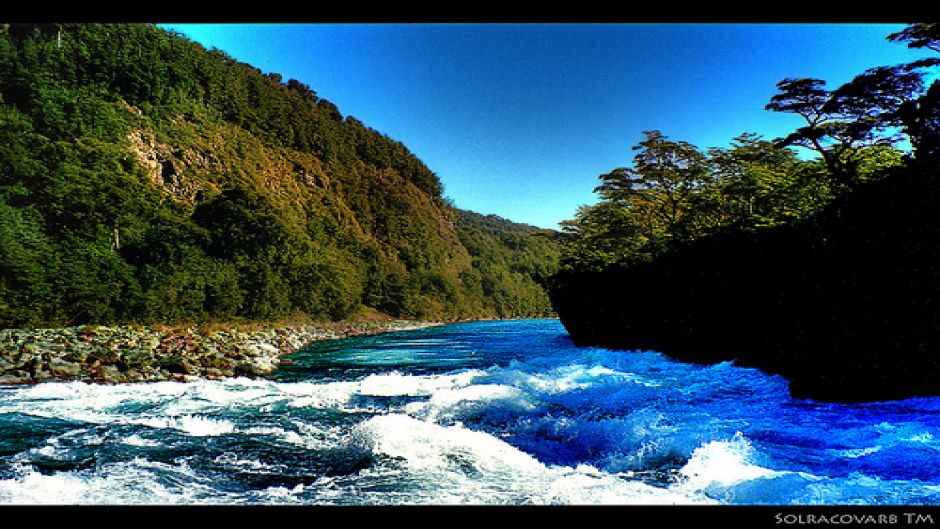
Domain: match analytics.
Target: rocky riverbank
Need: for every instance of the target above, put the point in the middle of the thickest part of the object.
(119, 354)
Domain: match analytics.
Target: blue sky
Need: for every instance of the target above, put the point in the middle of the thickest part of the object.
(520, 119)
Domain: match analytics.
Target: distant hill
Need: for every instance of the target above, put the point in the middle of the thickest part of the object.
(146, 179)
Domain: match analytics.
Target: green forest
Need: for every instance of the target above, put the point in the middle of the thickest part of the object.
(822, 269)
(146, 179)
(675, 192)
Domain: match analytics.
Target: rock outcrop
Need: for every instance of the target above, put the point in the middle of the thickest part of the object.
(845, 306)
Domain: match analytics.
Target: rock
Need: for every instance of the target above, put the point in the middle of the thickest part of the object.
(29, 351)
(266, 363)
(213, 373)
(17, 377)
(212, 360)
(250, 350)
(137, 357)
(137, 354)
(109, 374)
(177, 364)
(60, 367)
(79, 352)
(249, 370)
(268, 349)
(104, 356)
(6, 365)
(133, 375)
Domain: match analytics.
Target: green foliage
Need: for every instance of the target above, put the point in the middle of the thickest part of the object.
(761, 184)
(674, 193)
(824, 271)
(145, 178)
(26, 288)
(842, 123)
(510, 262)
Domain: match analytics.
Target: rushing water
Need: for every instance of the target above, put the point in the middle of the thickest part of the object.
(478, 413)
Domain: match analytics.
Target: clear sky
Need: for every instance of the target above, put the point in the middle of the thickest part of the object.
(520, 119)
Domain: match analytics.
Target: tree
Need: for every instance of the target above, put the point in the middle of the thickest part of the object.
(759, 183)
(919, 35)
(665, 178)
(280, 206)
(667, 195)
(825, 131)
(603, 234)
(866, 111)
(921, 117)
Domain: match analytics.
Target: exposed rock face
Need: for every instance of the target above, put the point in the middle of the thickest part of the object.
(141, 354)
(168, 168)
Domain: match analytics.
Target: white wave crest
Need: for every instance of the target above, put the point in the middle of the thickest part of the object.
(467, 402)
(458, 465)
(138, 481)
(722, 463)
(422, 445)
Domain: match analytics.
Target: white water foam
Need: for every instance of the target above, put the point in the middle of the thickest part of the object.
(470, 401)
(566, 378)
(138, 481)
(726, 471)
(425, 445)
(421, 452)
(194, 425)
(137, 440)
(480, 468)
(722, 463)
(398, 384)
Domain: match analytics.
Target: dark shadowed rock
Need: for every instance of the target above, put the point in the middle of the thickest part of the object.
(845, 306)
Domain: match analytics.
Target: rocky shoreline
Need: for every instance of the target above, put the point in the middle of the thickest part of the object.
(119, 354)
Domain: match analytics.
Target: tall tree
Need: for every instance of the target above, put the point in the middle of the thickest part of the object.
(921, 117)
(665, 178)
(919, 35)
(841, 123)
(866, 111)
(759, 182)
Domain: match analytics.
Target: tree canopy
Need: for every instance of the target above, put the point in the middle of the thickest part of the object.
(145, 178)
(674, 192)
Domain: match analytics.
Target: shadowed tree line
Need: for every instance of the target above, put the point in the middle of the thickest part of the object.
(824, 270)
(675, 192)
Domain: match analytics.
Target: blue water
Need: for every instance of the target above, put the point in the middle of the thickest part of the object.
(473, 413)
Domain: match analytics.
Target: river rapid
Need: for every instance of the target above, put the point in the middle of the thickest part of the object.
(482, 413)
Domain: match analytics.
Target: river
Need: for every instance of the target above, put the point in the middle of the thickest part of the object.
(480, 413)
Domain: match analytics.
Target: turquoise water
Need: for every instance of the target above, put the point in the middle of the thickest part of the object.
(472, 413)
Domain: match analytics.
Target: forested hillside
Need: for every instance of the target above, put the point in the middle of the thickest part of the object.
(144, 178)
